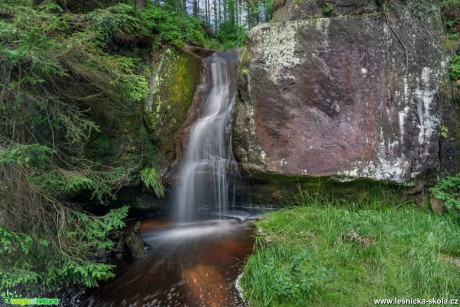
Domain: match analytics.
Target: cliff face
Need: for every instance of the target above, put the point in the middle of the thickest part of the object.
(354, 95)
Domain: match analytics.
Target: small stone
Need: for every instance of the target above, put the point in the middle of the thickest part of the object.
(437, 206)
(133, 242)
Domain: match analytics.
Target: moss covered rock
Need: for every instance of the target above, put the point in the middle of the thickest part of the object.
(175, 76)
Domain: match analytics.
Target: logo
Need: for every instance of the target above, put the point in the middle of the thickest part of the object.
(13, 298)
(7, 296)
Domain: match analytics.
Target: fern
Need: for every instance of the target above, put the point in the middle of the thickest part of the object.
(455, 68)
(151, 179)
(448, 190)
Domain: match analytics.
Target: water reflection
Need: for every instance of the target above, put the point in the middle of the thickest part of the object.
(192, 264)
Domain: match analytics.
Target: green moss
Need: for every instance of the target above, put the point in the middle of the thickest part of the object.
(176, 82)
(273, 188)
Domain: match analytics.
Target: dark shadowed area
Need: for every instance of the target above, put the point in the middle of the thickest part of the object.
(189, 264)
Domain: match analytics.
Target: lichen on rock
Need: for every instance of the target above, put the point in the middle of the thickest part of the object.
(347, 97)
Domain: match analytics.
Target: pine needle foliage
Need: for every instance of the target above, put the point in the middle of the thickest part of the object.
(151, 179)
(57, 67)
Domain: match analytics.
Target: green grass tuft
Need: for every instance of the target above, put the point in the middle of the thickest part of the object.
(337, 252)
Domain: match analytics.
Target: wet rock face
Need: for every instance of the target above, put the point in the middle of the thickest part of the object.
(174, 78)
(348, 97)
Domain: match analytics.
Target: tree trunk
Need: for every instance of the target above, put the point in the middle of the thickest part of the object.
(220, 13)
(196, 8)
(236, 12)
(215, 17)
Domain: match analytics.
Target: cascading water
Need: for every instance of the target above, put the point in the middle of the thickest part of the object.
(193, 263)
(204, 176)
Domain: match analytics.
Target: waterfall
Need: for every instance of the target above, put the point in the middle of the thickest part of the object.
(205, 174)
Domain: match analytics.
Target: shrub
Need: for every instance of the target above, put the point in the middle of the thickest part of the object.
(448, 190)
(455, 68)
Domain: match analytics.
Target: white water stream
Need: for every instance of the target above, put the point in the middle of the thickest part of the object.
(204, 176)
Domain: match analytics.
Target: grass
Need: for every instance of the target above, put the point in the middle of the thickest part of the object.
(327, 251)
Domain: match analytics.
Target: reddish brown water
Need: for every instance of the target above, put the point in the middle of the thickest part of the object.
(192, 264)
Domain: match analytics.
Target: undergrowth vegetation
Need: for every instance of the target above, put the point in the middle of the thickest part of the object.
(332, 251)
(451, 16)
(455, 69)
(57, 67)
(448, 191)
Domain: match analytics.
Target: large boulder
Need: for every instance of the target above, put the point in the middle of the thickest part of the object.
(347, 97)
